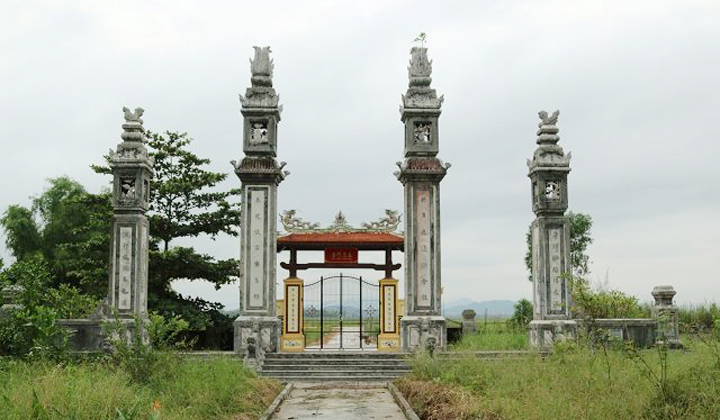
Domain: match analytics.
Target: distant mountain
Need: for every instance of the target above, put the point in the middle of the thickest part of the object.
(495, 308)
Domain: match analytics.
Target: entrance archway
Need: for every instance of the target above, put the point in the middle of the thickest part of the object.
(341, 312)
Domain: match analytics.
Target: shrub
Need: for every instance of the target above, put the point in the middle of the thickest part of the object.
(597, 304)
(522, 315)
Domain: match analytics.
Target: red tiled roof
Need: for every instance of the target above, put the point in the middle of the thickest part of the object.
(322, 240)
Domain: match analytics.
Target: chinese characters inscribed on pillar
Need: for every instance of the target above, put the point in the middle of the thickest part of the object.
(256, 244)
(423, 241)
(555, 298)
(125, 267)
(389, 309)
(293, 297)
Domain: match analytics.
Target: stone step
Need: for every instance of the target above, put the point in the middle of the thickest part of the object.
(337, 378)
(380, 362)
(339, 355)
(286, 368)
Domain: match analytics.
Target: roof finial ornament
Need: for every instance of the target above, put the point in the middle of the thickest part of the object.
(262, 67)
(420, 67)
(547, 134)
(133, 128)
(548, 152)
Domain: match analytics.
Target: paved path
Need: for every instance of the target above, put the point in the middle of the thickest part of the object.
(350, 339)
(342, 401)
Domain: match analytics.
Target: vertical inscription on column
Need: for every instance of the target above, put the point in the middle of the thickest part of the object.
(536, 268)
(389, 308)
(125, 268)
(142, 282)
(292, 297)
(423, 243)
(555, 295)
(257, 247)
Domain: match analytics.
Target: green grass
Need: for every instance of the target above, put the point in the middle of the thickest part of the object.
(493, 335)
(183, 389)
(574, 383)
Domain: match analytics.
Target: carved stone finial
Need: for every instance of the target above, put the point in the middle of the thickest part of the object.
(420, 67)
(261, 93)
(133, 116)
(547, 134)
(262, 67)
(133, 128)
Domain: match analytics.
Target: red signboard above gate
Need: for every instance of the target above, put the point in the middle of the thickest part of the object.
(341, 255)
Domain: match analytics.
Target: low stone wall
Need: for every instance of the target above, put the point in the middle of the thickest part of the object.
(641, 331)
(85, 334)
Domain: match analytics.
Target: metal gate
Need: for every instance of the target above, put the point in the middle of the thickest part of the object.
(341, 312)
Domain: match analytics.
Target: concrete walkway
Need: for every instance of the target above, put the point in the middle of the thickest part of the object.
(341, 401)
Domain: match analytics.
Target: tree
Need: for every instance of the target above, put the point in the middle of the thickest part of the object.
(580, 225)
(69, 227)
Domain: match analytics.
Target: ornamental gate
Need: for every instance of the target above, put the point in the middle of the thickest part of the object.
(341, 312)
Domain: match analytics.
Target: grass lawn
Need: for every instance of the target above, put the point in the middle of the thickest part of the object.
(179, 389)
(494, 335)
(573, 383)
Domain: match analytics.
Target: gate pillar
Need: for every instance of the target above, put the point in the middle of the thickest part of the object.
(293, 338)
(389, 338)
(551, 265)
(257, 327)
(423, 326)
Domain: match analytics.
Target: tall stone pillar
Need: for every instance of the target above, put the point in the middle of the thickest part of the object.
(132, 171)
(260, 175)
(551, 264)
(421, 173)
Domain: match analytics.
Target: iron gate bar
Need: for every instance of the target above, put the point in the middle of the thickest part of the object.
(368, 328)
(341, 313)
(361, 282)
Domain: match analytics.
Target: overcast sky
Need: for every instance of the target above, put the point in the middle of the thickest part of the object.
(637, 84)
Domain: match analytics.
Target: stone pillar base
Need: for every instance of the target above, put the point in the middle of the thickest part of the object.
(260, 333)
(421, 332)
(389, 342)
(544, 333)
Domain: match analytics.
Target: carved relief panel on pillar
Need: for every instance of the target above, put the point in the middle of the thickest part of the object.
(423, 248)
(256, 258)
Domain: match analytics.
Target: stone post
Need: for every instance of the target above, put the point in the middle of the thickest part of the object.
(469, 326)
(132, 170)
(421, 173)
(551, 267)
(389, 337)
(260, 175)
(665, 313)
(293, 338)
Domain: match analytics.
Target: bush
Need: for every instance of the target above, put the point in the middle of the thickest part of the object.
(33, 330)
(522, 315)
(598, 304)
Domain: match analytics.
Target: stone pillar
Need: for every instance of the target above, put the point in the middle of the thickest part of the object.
(132, 171)
(469, 325)
(389, 337)
(421, 173)
(665, 313)
(551, 266)
(260, 175)
(293, 338)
